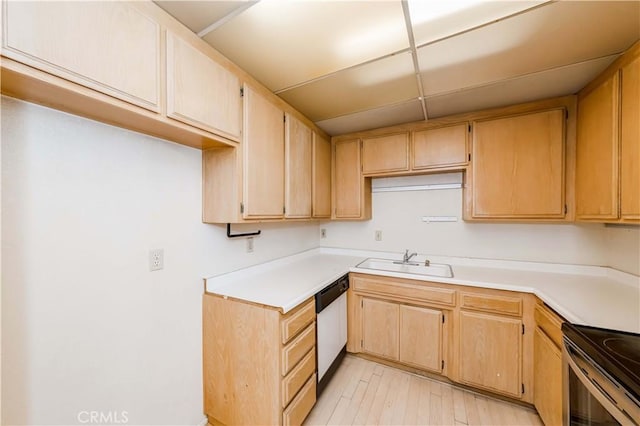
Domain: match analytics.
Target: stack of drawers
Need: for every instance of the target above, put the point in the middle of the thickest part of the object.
(298, 363)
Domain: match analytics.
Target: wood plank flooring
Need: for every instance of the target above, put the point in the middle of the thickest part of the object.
(363, 392)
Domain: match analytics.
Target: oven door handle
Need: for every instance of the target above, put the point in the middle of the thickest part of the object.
(594, 388)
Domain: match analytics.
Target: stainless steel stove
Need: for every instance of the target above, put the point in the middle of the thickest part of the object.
(601, 376)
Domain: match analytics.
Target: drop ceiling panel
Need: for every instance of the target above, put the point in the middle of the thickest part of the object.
(285, 43)
(379, 117)
(389, 80)
(553, 35)
(547, 84)
(431, 21)
(197, 15)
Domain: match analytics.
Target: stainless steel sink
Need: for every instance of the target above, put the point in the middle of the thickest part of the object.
(433, 269)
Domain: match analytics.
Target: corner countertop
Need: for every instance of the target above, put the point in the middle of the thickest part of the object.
(590, 295)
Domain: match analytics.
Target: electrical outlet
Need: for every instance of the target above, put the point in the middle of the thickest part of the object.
(156, 259)
(250, 245)
(378, 235)
(323, 233)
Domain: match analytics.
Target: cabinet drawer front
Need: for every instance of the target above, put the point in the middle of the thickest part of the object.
(295, 321)
(301, 405)
(298, 376)
(488, 303)
(549, 323)
(294, 351)
(414, 292)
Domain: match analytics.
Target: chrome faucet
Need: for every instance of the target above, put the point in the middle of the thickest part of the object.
(407, 257)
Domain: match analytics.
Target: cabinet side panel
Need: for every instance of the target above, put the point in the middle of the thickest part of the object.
(241, 344)
(220, 188)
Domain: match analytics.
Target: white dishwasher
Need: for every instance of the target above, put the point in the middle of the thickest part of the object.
(331, 309)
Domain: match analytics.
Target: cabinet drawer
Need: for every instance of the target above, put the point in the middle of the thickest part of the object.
(550, 323)
(294, 351)
(301, 405)
(298, 376)
(414, 292)
(490, 303)
(295, 321)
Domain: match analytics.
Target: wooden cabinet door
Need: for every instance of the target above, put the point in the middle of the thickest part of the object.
(297, 183)
(518, 166)
(200, 92)
(380, 322)
(630, 142)
(321, 180)
(491, 352)
(597, 152)
(111, 47)
(263, 147)
(547, 370)
(421, 337)
(348, 181)
(383, 154)
(439, 147)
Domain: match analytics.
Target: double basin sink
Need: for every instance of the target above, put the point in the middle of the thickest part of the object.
(430, 269)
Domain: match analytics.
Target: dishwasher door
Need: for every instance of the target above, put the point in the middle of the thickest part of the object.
(332, 333)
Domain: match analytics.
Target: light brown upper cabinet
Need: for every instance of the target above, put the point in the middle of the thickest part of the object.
(597, 152)
(630, 142)
(518, 167)
(351, 191)
(110, 47)
(200, 92)
(321, 180)
(298, 168)
(263, 148)
(439, 147)
(608, 146)
(385, 153)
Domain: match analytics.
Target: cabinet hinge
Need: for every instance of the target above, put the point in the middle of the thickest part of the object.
(241, 208)
(361, 303)
(284, 118)
(443, 319)
(284, 210)
(242, 92)
(522, 328)
(469, 128)
(469, 157)
(565, 209)
(361, 343)
(523, 388)
(442, 365)
(566, 114)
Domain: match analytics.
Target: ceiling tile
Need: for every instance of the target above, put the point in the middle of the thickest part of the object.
(285, 43)
(547, 84)
(386, 81)
(197, 15)
(430, 20)
(553, 35)
(379, 117)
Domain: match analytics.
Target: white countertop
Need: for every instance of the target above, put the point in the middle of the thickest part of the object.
(589, 295)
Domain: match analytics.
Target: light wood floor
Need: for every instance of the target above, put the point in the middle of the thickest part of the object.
(367, 393)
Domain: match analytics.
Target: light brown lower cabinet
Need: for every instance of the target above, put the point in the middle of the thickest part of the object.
(258, 364)
(548, 366)
(482, 338)
(491, 352)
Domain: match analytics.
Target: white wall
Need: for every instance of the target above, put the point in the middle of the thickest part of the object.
(623, 248)
(398, 215)
(85, 325)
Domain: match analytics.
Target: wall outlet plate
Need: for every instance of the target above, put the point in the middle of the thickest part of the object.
(323, 233)
(156, 259)
(250, 245)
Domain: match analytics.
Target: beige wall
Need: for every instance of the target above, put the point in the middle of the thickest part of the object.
(398, 215)
(85, 325)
